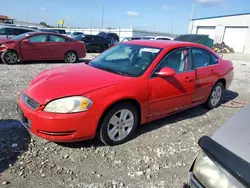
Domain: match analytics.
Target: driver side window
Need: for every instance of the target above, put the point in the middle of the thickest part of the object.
(179, 60)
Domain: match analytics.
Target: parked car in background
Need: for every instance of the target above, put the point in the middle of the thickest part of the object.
(41, 46)
(72, 34)
(59, 31)
(49, 30)
(157, 38)
(93, 43)
(112, 38)
(130, 38)
(225, 157)
(12, 31)
(129, 84)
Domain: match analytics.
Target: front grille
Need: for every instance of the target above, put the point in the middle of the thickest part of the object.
(30, 102)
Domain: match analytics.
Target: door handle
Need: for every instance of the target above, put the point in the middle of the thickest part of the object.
(188, 79)
(213, 72)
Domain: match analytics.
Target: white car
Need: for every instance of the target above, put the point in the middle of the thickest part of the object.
(158, 38)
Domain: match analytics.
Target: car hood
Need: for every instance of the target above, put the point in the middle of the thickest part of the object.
(70, 80)
(234, 134)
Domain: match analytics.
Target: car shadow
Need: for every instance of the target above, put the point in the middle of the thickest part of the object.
(14, 140)
(148, 127)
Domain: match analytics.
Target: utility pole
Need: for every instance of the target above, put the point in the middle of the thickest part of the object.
(192, 11)
(90, 25)
(172, 28)
(191, 16)
(102, 17)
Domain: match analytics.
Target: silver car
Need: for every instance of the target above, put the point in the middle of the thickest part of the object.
(224, 161)
(12, 31)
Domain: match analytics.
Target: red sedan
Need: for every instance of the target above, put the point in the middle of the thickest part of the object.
(129, 84)
(41, 46)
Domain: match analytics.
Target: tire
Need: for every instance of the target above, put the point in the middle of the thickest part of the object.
(71, 57)
(215, 96)
(113, 126)
(10, 57)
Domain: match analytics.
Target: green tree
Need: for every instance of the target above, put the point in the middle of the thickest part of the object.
(44, 24)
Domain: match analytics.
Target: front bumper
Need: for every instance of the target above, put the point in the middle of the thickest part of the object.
(58, 127)
(193, 182)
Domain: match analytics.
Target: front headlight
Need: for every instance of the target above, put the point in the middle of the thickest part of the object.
(209, 175)
(69, 105)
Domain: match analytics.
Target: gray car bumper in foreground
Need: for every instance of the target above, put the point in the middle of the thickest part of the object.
(193, 183)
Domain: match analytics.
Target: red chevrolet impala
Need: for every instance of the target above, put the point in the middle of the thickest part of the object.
(41, 46)
(130, 84)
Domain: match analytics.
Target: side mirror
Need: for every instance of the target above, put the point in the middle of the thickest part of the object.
(26, 41)
(166, 72)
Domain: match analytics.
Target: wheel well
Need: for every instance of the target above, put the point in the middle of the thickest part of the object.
(223, 81)
(71, 51)
(134, 102)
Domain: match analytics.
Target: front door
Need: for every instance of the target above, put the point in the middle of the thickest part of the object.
(174, 93)
(34, 48)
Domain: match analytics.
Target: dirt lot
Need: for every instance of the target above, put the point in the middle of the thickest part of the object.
(159, 156)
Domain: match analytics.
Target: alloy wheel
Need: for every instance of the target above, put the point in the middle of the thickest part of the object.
(120, 125)
(216, 95)
(11, 57)
(71, 57)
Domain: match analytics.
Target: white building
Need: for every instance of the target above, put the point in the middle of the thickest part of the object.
(122, 33)
(234, 30)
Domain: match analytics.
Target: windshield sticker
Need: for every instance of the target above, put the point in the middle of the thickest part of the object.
(152, 50)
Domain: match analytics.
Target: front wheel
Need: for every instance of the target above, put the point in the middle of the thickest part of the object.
(10, 57)
(71, 57)
(215, 97)
(119, 124)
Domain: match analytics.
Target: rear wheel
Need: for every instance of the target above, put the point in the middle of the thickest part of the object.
(119, 124)
(215, 97)
(10, 57)
(71, 57)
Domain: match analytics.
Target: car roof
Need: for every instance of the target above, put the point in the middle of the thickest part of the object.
(161, 43)
(47, 33)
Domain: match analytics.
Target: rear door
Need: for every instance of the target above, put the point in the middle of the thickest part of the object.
(205, 66)
(35, 48)
(174, 93)
(56, 46)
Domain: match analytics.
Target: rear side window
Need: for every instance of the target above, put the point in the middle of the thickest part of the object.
(21, 31)
(38, 38)
(213, 59)
(200, 58)
(2, 31)
(55, 38)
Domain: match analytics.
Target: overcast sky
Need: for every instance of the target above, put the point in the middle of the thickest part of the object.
(144, 14)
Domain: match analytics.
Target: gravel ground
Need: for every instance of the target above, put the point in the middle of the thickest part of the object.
(159, 156)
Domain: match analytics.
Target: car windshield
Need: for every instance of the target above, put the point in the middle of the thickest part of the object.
(126, 59)
(22, 36)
